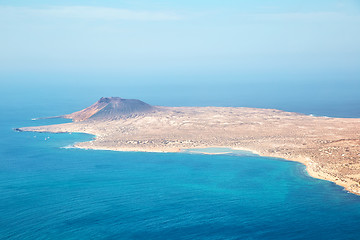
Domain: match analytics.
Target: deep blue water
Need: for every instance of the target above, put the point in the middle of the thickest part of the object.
(50, 192)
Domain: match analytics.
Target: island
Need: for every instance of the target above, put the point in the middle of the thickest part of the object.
(329, 147)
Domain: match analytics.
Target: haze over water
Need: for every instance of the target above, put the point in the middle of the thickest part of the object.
(300, 56)
(55, 59)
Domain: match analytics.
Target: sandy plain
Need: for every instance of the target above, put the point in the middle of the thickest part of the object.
(329, 147)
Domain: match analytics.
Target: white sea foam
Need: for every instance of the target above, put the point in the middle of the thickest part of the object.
(69, 146)
(313, 115)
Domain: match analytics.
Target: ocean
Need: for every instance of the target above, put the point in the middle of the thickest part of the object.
(51, 191)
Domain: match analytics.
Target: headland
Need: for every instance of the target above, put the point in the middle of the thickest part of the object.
(329, 147)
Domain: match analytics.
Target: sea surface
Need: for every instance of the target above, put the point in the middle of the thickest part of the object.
(49, 190)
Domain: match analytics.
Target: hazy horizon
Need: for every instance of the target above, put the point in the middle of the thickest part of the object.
(124, 170)
(230, 53)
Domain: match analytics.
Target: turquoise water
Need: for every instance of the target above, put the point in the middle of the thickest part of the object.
(219, 150)
(50, 192)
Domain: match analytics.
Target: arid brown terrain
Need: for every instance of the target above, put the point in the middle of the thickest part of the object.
(329, 147)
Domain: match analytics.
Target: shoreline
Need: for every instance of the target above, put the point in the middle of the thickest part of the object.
(307, 162)
(328, 147)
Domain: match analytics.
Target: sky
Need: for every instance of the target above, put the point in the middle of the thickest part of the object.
(185, 42)
(179, 36)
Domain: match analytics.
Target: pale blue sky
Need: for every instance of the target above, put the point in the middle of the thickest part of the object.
(299, 55)
(177, 37)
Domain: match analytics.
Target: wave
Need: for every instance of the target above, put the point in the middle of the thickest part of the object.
(68, 146)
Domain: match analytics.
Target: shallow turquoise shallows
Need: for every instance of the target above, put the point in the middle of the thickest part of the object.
(50, 192)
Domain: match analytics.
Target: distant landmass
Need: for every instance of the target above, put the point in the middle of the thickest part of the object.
(329, 147)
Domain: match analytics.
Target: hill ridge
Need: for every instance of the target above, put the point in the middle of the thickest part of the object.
(109, 108)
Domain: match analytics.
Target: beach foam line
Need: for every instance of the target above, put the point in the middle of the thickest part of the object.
(219, 150)
(68, 146)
